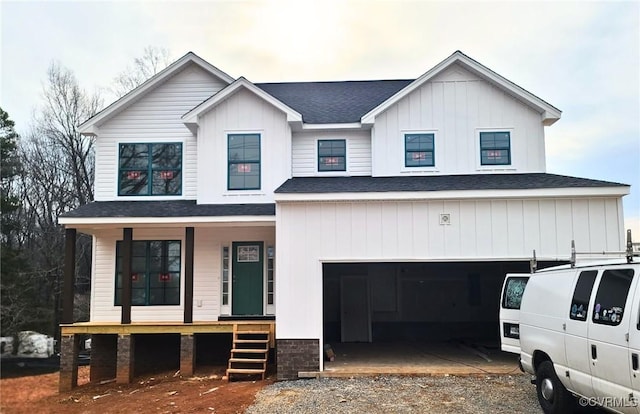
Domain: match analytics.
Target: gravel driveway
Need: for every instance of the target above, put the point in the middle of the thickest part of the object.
(446, 394)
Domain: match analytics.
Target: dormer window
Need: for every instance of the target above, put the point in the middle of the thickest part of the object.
(495, 148)
(419, 150)
(332, 155)
(150, 169)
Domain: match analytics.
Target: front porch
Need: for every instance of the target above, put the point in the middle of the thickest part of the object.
(113, 348)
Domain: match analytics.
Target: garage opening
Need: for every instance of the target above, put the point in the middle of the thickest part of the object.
(381, 311)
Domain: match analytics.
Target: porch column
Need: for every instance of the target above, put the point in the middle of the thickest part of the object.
(127, 248)
(188, 275)
(69, 275)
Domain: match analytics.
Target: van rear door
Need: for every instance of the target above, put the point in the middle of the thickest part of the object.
(609, 337)
(512, 291)
(634, 348)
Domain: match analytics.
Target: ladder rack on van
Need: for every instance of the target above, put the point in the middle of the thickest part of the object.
(629, 254)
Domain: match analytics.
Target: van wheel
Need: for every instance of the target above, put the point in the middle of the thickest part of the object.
(552, 395)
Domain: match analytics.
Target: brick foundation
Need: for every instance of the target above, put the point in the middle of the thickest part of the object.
(104, 353)
(297, 355)
(187, 354)
(125, 359)
(69, 348)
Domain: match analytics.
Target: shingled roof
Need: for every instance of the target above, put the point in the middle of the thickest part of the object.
(173, 208)
(333, 102)
(311, 185)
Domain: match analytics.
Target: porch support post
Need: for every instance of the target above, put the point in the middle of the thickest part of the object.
(125, 359)
(127, 247)
(69, 348)
(187, 354)
(69, 275)
(188, 275)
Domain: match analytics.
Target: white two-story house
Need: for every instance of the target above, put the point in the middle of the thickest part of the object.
(356, 211)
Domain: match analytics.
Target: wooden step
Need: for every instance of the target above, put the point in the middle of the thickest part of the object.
(244, 371)
(248, 360)
(250, 351)
(251, 341)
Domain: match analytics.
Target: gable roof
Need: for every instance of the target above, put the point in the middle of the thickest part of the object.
(524, 181)
(333, 102)
(191, 118)
(89, 126)
(549, 113)
(322, 103)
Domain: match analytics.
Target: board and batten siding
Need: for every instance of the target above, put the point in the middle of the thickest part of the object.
(398, 231)
(456, 105)
(156, 117)
(304, 152)
(207, 268)
(243, 112)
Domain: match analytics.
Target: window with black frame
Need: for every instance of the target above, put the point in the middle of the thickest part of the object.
(150, 169)
(243, 162)
(495, 148)
(332, 155)
(419, 150)
(155, 272)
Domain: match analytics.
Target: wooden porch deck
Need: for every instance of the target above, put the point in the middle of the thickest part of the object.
(229, 326)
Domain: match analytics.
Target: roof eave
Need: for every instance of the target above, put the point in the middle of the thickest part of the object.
(334, 126)
(613, 191)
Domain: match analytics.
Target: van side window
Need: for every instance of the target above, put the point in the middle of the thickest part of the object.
(582, 294)
(513, 291)
(612, 296)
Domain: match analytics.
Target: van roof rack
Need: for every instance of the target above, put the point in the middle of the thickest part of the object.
(628, 252)
(533, 263)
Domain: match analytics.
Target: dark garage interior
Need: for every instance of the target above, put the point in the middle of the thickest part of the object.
(421, 302)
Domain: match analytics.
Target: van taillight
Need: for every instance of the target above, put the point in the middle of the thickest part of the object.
(511, 330)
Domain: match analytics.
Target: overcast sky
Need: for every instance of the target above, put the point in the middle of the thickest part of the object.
(582, 57)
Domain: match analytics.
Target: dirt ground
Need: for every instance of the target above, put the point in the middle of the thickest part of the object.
(206, 392)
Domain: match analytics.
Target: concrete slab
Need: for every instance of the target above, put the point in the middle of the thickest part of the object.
(422, 359)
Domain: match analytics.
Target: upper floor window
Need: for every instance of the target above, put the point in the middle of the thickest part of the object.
(155, 272)
(243, 162)
(419, 150)
(495, 148)
(150, 169)
(332, 155)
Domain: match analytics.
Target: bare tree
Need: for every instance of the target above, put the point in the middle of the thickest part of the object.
(56, 176)
(152, 61)
(66, 107)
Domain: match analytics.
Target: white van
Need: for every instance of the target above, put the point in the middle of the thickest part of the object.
(577, 329)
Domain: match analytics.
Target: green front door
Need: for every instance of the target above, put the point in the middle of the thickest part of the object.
(247, 278)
